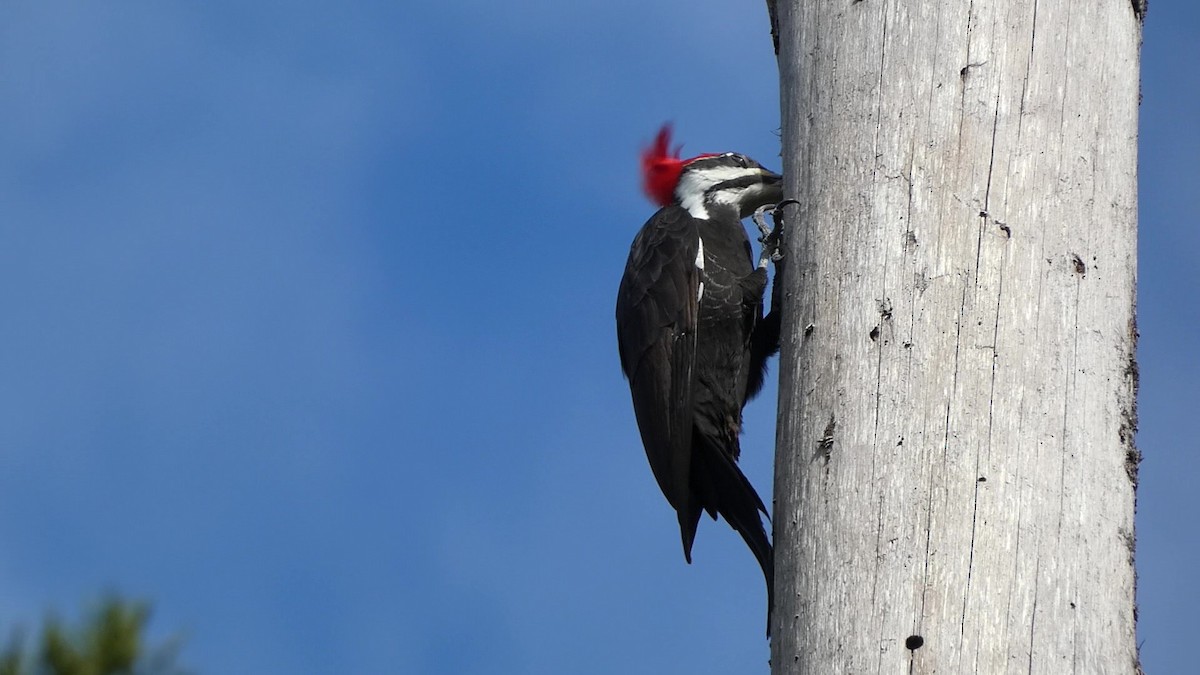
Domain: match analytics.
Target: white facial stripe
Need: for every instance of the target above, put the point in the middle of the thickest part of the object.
(731, 196)
(694, 183)
(740, 195)
(720, 174)
(694, 203)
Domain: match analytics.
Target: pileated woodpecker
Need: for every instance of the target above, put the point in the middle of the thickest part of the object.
(692, 337)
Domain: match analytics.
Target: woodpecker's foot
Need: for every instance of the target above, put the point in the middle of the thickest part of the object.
(760, 220)
(776, 210)
(771, 238)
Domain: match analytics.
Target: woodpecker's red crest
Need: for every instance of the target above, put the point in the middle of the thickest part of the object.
(662, 166)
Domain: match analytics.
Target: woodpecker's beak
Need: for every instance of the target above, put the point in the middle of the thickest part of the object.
(773, 181)
(769, 190)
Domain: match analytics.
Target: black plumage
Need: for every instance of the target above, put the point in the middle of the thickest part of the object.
(694, 343)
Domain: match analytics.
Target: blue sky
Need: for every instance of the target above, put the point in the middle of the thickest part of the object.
(308, 338)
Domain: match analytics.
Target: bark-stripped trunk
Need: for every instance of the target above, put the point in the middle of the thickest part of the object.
(955, 476)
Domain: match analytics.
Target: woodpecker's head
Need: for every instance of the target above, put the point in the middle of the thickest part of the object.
(707, 181)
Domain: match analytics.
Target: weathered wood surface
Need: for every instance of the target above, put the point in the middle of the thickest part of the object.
(958, 383)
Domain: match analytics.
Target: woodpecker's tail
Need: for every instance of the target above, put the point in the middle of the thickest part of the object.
(719, 486)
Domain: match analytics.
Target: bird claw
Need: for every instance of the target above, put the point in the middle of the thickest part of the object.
(760, 219)
(770, 238)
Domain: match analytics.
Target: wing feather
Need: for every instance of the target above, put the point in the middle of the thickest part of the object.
(656, 334)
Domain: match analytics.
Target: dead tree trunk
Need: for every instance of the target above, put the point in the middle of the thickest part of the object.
(955, 472)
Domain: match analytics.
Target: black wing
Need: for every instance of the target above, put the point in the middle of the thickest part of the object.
(656, 334)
